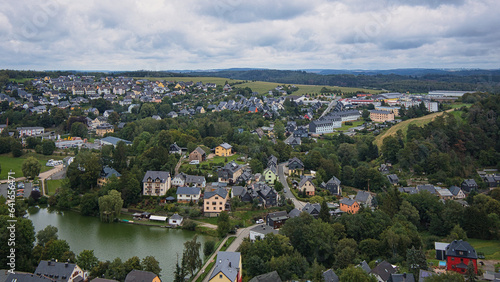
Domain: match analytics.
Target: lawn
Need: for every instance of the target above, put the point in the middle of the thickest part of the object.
(490, 248)
(354, 124)
(52, 186)
(15, 164)
(210, 162)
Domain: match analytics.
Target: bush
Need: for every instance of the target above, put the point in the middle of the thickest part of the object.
(189, 225)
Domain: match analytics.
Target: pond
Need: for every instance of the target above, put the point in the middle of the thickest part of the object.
(111, 240)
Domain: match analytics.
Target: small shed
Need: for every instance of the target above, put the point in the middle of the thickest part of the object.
(440, 250)
(175, 220)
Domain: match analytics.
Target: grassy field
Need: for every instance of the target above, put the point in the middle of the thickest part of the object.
(263, 87)
(490, 248)
(15, 164)
(259, 86)
(354, 124)
(403, 126)
(52, 186)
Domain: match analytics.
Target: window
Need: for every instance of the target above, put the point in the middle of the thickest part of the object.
(220, 208)
(214, 203)
(215, 208)
(216, 197)
(220, 276)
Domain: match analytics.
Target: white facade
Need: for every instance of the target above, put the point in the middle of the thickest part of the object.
(30, 131)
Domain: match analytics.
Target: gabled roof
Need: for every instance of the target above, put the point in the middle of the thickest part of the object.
(312, 208)
(461, 249)
(176, 216)
(227, 263)
(384, 270)
(304, 180)
(404, 277)
(295, 160)
(294, 213)
(139, 275)
(470, 182)
(188, 191)
(364, 265)
(280, 215)
(347, 201)
(333, 180)
(195, 179)
(362, 196)
(219, 191)
(238, 191)
(330, 276)
(226, 146)
(26, 277)
(107, 172)
(264, 229)
(200, 150)
(115, 140)
(162, 175)
(61, 269)
(455, 190)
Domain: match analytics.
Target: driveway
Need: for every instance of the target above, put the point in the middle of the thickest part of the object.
(288, 194)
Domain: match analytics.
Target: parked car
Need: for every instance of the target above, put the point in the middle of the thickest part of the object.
(260, 221)
(194, 162)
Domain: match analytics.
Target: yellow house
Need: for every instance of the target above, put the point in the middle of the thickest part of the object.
(227, 267)
(223, 150)
(214, 202)
(102, 129)
(139, 275)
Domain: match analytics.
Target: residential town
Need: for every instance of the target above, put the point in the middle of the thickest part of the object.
(255, 168)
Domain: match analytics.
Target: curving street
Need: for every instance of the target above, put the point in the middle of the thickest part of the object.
(288, 194)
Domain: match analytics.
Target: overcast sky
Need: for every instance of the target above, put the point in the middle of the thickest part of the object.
(288, 34)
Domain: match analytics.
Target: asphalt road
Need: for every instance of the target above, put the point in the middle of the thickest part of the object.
(288, 194)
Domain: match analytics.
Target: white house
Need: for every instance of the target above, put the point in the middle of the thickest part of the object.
(260, 231)
(175, 220)
(188, 194)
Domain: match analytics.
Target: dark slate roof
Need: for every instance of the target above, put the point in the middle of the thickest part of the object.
(312, 208)
(219, 191)
(297, 160)
(423, 274)
(27, 277)
(470, 182)
(176, 216)
(61, 269)
(455, 247)
(454, 190)
(330, 276)
(107, 172)
(162, 175)
(294, 213)
(405, 277)
(304, 180)
(426, 187)
(393, 178)
(227, 263)
(195, 179)
(140, 276)
(384, 270)
(409, 190)
(188, 191)
(267, 277)
(280, 215)
(333, 180)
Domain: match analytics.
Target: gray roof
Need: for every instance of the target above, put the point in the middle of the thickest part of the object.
(107, 172)
(226, 146)
(295, 159)
(457, 246)
(26, 277)
(364, 265)
(384, 270)
(470, 182)
(59, 269)
(294, 213)
(347, 201)
(188, 191)
(162, 175)
(200, 150)
(219, 191)
(409, 190)
(454, 190)
(304, 180)
(423, 274)
(426, 187)
(227, 263)
(263, 229)
(267, 277)
(380, 112)
(279, 215)
(176, 216)
(330, 276)
(238, 191)
(362, 196)
(115, 140)
(333, 180)
(311, 208)
(139, 276)
(405, 277)
(195, 179)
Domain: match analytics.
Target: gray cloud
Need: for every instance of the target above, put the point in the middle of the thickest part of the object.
(160, 34)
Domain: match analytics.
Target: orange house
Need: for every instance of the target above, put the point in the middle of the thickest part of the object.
(349, 205)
